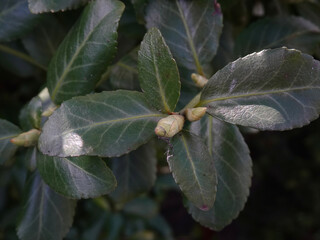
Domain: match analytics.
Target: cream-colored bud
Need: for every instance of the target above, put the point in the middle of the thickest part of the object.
(199, 80)
(169, 126)
(27, 139)
(49, 111)
(195, 114)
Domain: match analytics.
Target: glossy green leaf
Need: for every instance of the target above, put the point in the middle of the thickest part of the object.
(43, 41)
(7, 132)
(275, 89)
(135, 173)
(106, 124)
(190, 28)
(30, 115)
(45, 215)
(158, 72)
(233, 164)
(292, 32)
(15, 19)
(86, 51)
(77, 177)
(193, 169)
(40, 6)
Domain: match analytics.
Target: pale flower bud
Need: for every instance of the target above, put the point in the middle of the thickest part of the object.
(199, 80)
(27, 139)
(195, 114)
(169, 126)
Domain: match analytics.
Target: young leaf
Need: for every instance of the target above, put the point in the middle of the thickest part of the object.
(45, 214)
(16, 19)
(84, 54)
(158, 72)
(292, 32)
(233, 164)
(106, 124)
(190, 28)
(7, 132)
(40, 6)
(135, 173)
(275, 89)
(78, 177)
(193, 169)
(30, 115)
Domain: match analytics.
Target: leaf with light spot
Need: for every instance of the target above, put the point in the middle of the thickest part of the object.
(275, 89)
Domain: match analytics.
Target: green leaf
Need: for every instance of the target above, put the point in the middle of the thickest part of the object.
(43, 41)
(86, 51)
(292, 32)
(106, 124)
(45, 214)
(310, 11)
(158, 72)
(275, 89)
(30, 115)
(143, 207)
(135, 173)
(7, 132)
(233, 164)
(193, 169)
(40, 6)
(190, 28)
(16, 19)
(31, 158)
(124, 74)
(78, 177)
(139, 7)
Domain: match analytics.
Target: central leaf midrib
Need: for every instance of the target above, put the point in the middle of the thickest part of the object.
(113, 121)
(190, 41)
(203, 102)
(66, 70)
(192, 166)
(165, 104)
(7, 137)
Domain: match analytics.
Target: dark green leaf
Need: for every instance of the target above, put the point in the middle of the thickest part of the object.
(13, 63)
(292, 32)
(193, 169)
(15, 19)
(85, 53)
(40, 6)
(135, 173)
(139, 7)
(30, 115)
(190, 28)
(46, 215)
(124, 74)
(7, 132)
(158, 72)
(271, 90)
(31, 158)
(142, 207)
(310, 11)
(233, 164)
(43, 41)
(78, 177)
(107, 124)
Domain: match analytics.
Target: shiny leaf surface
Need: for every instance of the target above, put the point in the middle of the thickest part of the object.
(77, 177)
(275, 89)
(190, 28)
(106, 124)
(86, 51)
(193, 169)
(158, 72)
(233, 164)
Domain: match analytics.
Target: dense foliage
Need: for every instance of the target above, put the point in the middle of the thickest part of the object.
(122, 102)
